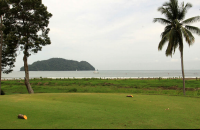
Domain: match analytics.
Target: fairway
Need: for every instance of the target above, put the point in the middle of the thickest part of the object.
(99, 111)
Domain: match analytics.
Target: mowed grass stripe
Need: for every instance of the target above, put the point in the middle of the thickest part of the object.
(98, 111)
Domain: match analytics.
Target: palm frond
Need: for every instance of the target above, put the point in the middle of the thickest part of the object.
(176, 41)
(162, 21)
(169, 49)
(166, 30)
(174, 8)
(180, 40)
(164, 39)
(191, 20)
(183, 10)
(187, 6)
(171, 35)
(166, 12)
(177, 24)
(166, 4)
(188, 36)
(185, 35)
(162, 43)
(193, 29)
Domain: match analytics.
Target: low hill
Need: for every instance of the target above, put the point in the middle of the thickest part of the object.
(59, 64)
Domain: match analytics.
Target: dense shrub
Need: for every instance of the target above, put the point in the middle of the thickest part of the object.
(73, 90)
(2, 92)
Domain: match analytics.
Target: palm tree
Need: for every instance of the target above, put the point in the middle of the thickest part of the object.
(176, 29)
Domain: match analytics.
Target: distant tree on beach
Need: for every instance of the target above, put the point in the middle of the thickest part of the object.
(30, 19)
(176, 29)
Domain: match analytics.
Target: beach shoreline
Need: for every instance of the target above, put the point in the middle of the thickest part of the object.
(111, 78)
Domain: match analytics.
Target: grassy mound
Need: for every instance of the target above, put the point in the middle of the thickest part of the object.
(99, 111)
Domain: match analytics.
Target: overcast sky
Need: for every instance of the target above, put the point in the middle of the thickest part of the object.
(113, 35)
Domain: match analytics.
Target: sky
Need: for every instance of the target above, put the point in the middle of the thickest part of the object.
(113, 35)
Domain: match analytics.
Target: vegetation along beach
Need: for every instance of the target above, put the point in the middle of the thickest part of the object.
(108, 99)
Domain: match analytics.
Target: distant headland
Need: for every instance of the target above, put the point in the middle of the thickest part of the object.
(59, 64)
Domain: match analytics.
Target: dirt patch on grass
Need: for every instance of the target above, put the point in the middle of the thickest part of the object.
(190, 89)
(176, 88)
(107, 84)
(39, 83)
(125, 87)
(46, 84)
(190, 78)
(170, 88)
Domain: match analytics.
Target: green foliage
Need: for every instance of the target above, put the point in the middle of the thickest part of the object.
(3, 7)
(59, 64)
(143, 86)
(29, 20)
(2, 92)
(73, 90)
(8, 56)
(8, 37)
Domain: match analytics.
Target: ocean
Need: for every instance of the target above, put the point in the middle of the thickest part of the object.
(104, 74)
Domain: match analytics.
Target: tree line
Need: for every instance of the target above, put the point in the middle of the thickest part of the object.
(24, 27)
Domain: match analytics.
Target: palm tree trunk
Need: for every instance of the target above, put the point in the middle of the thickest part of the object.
(1, 44)
(26, 79)
(183, 74)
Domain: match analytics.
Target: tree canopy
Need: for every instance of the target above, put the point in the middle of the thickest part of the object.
(176, 27)
(30, 19)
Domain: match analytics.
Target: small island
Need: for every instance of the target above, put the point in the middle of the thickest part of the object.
(59, 64)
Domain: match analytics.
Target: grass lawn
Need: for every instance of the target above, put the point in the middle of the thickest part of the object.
(136, 86)
(99, 111)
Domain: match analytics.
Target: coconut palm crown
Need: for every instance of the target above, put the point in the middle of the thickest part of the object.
(176, 28)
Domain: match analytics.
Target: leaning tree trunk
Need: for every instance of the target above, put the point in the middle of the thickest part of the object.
(182, 66)
(26, 79)
(1, 44)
